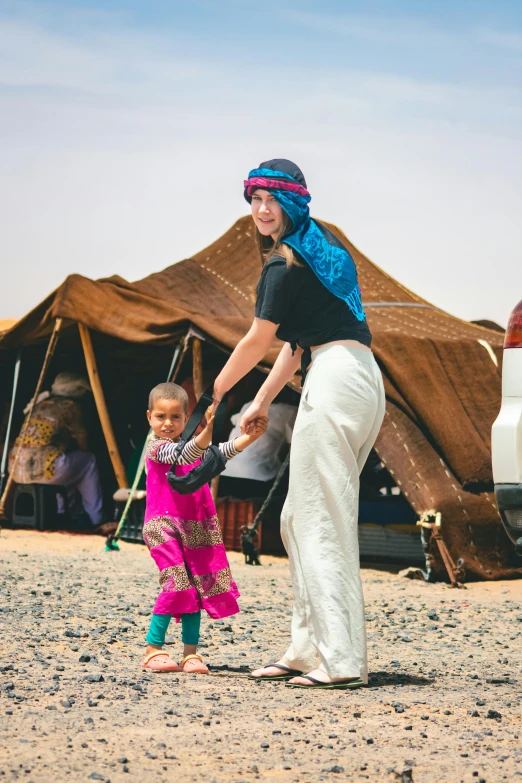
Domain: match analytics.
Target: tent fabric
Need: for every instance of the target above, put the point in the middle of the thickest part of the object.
(442, 384)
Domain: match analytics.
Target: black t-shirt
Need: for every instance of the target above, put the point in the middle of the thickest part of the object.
(307, 313)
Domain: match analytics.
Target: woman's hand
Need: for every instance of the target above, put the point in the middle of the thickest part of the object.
(258, 428)
(257, 410)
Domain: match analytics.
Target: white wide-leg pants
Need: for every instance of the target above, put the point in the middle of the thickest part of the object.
(340, 414)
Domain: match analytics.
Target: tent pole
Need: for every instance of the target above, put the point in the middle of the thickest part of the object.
(197, 367)
(101, 406)
(197, 380)
(5, 453)
(43, 371)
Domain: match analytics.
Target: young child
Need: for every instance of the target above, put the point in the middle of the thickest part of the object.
(182, 533)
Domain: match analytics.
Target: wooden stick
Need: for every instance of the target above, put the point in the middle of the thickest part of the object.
(101, 405)
(197, 367)
(446, 557)
(43, 371)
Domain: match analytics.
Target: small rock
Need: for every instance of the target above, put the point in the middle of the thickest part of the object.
(94, 678)
(51, 707)
(493, 714)
(265, 745)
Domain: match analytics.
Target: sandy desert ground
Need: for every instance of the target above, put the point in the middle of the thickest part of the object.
(443, 706)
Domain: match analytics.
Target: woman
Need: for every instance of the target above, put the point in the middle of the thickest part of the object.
(308, 297)
(54, 448)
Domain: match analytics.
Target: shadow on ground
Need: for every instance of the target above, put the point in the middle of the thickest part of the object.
(384, 679)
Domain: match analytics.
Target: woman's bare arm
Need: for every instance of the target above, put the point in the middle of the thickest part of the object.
(248, 352)
(284, 369)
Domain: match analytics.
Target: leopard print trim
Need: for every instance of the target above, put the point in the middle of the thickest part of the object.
(153, 445)
(213, 584)
(153, 534)
(174, 578)
(193, 533)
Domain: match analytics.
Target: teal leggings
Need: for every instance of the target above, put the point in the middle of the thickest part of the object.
(159, 623)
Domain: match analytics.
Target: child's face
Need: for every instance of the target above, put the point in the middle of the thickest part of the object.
(168, 418)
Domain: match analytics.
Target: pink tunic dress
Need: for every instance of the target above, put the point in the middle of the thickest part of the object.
(183, 535)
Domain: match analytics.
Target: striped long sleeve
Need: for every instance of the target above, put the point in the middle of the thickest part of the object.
(164, 451)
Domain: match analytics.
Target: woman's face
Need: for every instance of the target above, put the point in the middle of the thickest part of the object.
(267, 213)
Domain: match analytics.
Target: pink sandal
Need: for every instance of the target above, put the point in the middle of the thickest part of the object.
(163, 662)
(193, 664)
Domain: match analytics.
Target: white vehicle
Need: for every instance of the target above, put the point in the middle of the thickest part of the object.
(506, 435)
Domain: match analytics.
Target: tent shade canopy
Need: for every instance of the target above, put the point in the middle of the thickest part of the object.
(442, 375)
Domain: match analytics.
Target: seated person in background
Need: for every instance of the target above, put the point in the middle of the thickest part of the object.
(54, 449)
(252, 473)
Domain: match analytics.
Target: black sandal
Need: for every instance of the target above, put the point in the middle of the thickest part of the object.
(319, 684)
(288, 673)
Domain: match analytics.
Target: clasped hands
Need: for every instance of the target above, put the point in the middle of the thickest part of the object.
(250, 420)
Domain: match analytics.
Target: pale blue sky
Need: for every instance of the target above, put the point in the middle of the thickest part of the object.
(128, 127)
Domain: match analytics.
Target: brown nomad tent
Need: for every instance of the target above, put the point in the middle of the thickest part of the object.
(442, 376)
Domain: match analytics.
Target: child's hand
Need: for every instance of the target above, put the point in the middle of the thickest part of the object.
(205, 436)
(210, 415)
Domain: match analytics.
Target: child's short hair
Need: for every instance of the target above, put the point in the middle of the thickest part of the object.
(168, 391)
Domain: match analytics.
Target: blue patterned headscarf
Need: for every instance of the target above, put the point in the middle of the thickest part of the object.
(322, 251)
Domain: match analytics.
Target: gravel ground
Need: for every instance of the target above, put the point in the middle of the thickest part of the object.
(444, 702)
